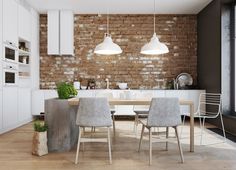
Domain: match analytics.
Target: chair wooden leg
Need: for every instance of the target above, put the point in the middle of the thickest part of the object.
(167, 135)
(109, 144)
(141, 138)
(202, 129)
(179, 145)
(77, 151)
(200, 122)
(183, 122)
(83, 134)
(222, 124)
(150, 146)
(136, 124)
(114, 126)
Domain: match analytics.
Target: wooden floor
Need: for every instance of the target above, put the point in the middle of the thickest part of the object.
(15, 153)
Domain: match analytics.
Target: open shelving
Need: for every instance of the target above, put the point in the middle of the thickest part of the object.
(24, 75)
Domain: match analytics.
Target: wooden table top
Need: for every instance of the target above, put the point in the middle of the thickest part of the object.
(75, 102)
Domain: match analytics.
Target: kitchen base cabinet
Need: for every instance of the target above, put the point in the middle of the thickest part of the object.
(10, 116)
(38, 97)
(1, 110)
(16, 108)
(24, 104)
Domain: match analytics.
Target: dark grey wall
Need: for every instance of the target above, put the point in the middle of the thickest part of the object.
(215, 55)
(209, 47)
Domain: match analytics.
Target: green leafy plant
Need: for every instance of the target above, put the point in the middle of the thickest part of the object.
(66, 90)
(40, 126)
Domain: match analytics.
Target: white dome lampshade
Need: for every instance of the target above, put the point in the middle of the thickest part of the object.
(107, 47)
(154, 47)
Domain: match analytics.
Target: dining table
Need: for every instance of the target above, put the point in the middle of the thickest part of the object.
(147, 101)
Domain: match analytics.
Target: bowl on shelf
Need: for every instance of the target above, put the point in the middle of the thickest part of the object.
(123, 86)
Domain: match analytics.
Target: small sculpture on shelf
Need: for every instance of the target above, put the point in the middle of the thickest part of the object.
(91, 84)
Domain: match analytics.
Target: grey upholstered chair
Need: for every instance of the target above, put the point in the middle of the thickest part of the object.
(109, 95)
(94, 112)
(141, 110)
(163, 112)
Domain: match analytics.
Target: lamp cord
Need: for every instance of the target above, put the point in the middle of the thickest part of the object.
(154, 16)
(107, 19)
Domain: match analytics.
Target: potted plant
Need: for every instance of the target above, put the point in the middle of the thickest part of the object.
(66, 90)
(40, 138)
(59, 116)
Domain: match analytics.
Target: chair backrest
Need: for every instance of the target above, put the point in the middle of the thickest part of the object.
(164, 112)
(143, 95)
(209, 103)
(108, 95)
(94, 112)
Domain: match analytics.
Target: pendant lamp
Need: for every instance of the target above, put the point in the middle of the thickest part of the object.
(154, 47)
(107, 47)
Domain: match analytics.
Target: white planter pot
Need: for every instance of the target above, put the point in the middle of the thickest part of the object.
(39, 146)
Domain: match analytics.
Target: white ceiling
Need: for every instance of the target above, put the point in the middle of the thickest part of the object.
(121, 6)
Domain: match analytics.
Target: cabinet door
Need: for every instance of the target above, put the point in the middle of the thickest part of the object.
(24, 104)
(53, 32)
(34, 61)
(10, 116)
(1, 45)
(37, 102)
(66, 32)
(1, 110)
(10, 24)
(24, 23)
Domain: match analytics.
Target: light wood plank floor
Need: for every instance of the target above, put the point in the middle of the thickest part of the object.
(15, 153)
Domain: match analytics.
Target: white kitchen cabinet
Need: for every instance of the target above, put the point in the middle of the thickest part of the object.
(10, 21)
(53, 32)
(1, 73)
(10, 107)
(60, 32)
(37, 102)
(24, 23)
(49, 94)
(24, 104)
(86, 93)
(34, 62)
(66, 32)
(38, 97)
(1, 125)
(1, 22)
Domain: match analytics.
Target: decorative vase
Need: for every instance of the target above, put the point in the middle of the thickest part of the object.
(39, 146)
(24, 60)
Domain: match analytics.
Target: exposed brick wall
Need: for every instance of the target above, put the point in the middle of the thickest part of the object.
(131, 32)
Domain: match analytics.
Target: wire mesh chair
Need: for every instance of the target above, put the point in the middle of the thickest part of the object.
(209, 107)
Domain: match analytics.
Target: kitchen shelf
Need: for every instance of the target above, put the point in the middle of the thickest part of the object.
(23, 53)
(23, 64)
(24, 77)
